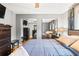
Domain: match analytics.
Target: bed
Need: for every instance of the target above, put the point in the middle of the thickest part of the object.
(63, 46)
(47, 47)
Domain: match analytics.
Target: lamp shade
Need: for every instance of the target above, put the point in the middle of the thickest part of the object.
(36, 5)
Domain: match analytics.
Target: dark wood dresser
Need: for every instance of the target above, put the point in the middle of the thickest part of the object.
(5, 40)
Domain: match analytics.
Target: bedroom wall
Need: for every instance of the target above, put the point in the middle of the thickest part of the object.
(64, 19)
(76, 17)
(45, 27)
(63, 22)
(10, 20)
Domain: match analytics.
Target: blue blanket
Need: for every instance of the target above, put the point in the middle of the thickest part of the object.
(46, 47)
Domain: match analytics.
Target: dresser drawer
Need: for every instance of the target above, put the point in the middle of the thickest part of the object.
(2, 36)
(5, 49)
(5, 52)
(4, 41)
(5, 46)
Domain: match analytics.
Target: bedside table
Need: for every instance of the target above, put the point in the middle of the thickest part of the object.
(14, 43)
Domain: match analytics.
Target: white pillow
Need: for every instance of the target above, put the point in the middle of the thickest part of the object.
(19, 52)
(75, 46)
(74, 37)
(66, 40)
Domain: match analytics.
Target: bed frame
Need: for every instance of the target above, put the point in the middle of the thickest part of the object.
(73, 32)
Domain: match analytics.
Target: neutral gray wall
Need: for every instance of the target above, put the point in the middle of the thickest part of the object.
(45, 27)
(10, 19)
(35, 16)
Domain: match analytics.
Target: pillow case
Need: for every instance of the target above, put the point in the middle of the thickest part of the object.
(74, 37)
(67, 40)
(75, 46)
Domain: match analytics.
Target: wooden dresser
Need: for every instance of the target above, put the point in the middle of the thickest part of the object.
(5, 40)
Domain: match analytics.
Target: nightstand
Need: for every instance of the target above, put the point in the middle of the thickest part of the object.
(14, 44)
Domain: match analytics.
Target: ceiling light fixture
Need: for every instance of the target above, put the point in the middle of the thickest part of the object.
(36, 5)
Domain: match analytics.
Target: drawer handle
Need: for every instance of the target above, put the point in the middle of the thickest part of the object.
(8, 52)
(8, 46)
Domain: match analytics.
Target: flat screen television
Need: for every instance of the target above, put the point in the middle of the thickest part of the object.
(2, 11)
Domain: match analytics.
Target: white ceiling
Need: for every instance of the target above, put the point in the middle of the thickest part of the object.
(44, 8)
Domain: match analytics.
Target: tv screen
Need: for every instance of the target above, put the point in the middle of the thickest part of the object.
(2, 11)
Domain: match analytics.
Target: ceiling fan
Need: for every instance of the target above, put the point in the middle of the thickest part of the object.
(36, 5)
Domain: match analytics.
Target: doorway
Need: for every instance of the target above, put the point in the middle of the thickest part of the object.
(29, 28)
(49, 27)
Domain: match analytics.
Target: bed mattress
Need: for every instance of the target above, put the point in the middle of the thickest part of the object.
(46, 47)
